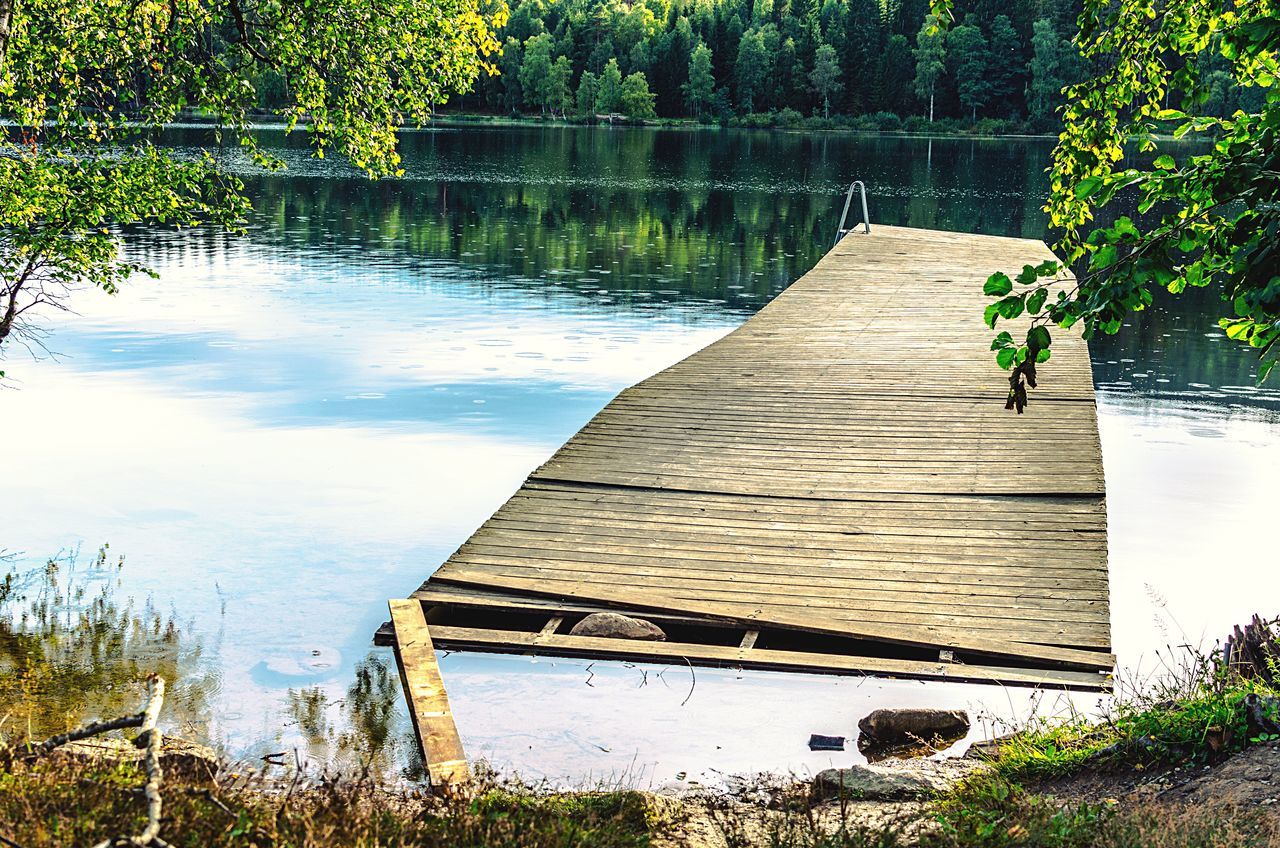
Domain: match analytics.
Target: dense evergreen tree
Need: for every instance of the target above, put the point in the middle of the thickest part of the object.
(1005, 64)
(967, 49)
(511, 96)
(861, 31)
(895, 74)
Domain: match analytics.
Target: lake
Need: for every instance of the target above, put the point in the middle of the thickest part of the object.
(290, 427)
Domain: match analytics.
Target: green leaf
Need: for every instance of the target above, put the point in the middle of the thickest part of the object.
(1043, 355)
(1011, 307)
(990, 314)
(1036, 300)
(1038, 338)
(1005, 357)
(1236, 330)
(1002, 340)
(1165, 162)
(997, 285)
(1028, 275)
(1087, 187)
(1104, 257)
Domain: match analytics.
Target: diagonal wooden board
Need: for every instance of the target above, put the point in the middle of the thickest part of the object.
(429, 709)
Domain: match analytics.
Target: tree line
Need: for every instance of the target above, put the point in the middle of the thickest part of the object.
(726, 59)
(778, 61)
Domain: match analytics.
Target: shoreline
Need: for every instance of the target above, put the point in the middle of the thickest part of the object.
(459, 120)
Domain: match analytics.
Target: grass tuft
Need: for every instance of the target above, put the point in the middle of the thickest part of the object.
(1198, 715)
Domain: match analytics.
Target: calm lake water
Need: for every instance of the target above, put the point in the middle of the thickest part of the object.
(290, 427)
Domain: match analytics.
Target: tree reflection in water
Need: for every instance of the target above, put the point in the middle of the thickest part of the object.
(370, 733)
(71, 651)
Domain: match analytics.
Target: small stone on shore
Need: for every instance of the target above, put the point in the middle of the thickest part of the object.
(900, 782)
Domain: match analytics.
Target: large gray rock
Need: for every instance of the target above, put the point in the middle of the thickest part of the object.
(612, 625)
(875, 783)
(905, 726)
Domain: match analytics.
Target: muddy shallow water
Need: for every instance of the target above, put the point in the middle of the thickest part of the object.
(291, 427)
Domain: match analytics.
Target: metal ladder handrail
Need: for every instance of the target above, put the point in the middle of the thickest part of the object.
(841, 232)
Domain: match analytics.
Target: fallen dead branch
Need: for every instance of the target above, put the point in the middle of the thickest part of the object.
(93, 728)
(151, 738)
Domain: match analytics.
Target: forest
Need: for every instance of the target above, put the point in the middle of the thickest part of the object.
(872, 64)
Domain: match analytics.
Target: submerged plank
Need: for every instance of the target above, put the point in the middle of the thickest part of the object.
(746, 655)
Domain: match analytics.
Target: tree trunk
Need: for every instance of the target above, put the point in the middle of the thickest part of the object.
(931, 105)
(6, 20)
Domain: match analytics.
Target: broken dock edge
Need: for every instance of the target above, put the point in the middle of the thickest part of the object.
(415, 634)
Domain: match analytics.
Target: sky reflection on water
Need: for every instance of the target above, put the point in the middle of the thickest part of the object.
(287, 429)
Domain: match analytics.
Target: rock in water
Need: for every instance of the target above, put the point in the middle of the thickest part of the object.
(898, 727)
(612, 625)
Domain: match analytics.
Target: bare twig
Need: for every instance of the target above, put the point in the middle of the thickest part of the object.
(93, 728)
(693, 681)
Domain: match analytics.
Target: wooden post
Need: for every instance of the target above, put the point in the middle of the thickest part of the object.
(424, 691)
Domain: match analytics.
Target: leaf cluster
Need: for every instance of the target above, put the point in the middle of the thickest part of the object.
(84, 88)
(1207, 218)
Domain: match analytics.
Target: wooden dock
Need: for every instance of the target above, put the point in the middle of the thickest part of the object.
(833, 487)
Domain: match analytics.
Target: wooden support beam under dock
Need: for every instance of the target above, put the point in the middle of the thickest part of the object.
(833, 487)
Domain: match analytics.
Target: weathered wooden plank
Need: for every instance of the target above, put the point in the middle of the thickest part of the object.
(997, 528)
(831, 612)
(753, 614)
(424, 690)
(957, 599)
(763, 658)
(1058, 508)
(922, 574)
